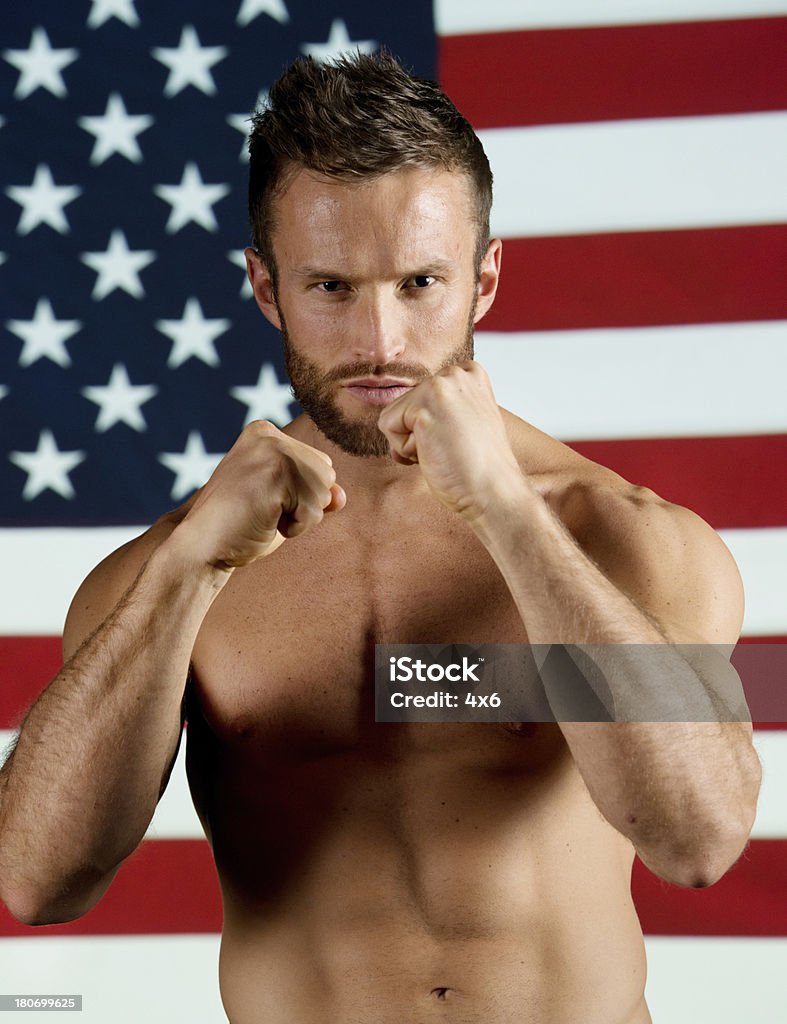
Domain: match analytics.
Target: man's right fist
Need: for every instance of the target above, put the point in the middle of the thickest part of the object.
(267, 487)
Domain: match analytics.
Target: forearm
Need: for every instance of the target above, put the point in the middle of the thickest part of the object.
(667, 785)
(83, 781)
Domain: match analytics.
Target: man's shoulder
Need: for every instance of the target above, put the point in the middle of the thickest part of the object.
(668, 560)
(664, 556)
(583, 493)
(624, 523)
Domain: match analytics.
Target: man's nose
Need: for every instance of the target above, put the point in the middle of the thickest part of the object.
(379, 331)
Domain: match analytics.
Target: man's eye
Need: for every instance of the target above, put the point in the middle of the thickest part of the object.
(422, 280)
(330, 286)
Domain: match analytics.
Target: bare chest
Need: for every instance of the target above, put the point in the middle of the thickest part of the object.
(287, 652)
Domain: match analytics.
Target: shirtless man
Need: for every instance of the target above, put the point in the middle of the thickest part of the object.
(385, 873)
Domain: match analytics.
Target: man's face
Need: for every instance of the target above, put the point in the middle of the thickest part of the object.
(376, 291)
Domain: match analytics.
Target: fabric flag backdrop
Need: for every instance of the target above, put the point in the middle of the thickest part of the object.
(639, 159)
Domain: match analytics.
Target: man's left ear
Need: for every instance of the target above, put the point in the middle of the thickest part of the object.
(488, 277)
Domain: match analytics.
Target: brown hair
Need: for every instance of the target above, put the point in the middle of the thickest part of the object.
(358, 117)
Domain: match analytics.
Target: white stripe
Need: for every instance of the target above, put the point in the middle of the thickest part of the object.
(762, 559)
(638, 175)
(456, 17)
(761, 555)
(771, 822)
(163, 978)
(715, 980)
(6, 736)
(123, 979)
(684, 381)
(47, 566)
(175, 817)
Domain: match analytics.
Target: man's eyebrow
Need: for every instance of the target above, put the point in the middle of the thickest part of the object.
(318, 274)
(439, 266)
(435, 267)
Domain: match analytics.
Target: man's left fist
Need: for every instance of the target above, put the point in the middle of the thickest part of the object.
(451, 426)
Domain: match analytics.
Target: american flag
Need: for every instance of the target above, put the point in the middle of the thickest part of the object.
(639, 158)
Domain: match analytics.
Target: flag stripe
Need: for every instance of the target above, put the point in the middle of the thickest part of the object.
(47, 566)
(771, 821)
(696, 380)
(715, 980)
(620, 72)
(166, 885)
(123, 979)
(639, 279)
(691, 980)
(761, 555)
(729, 481)
(170, 885)
(741, 903)
(464, 16)
(27, 663)
(638, 175)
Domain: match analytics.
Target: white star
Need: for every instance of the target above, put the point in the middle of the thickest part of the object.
(120, 400)
(47, 467)
(193, 335)
(116, 131)
(44, 336)
(250, 9)
(337, 44)
(40, 66)
(103, 10)
(3, 391)
(191, 200)
(43, 202)
(192, 467)
(267, 399)
(237, 256)
(189, 63)
(242, 122)
(118, 267)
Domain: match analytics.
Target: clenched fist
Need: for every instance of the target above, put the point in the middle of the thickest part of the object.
(450, 424)
(267, 487)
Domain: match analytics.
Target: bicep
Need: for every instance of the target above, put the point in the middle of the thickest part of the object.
(673, 566)
(677, 570)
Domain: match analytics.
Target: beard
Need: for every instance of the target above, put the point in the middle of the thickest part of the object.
(312, 388)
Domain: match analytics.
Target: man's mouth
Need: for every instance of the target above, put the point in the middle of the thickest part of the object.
(378, 390)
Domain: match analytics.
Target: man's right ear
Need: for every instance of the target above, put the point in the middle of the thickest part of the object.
(262, 286)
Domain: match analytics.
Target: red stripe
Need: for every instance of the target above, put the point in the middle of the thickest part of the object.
(641, 278)
(766, 640)
(550, 76)
(730, 481)
(27, 663)
(748, 900)
(170, 886)
(166, 886)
